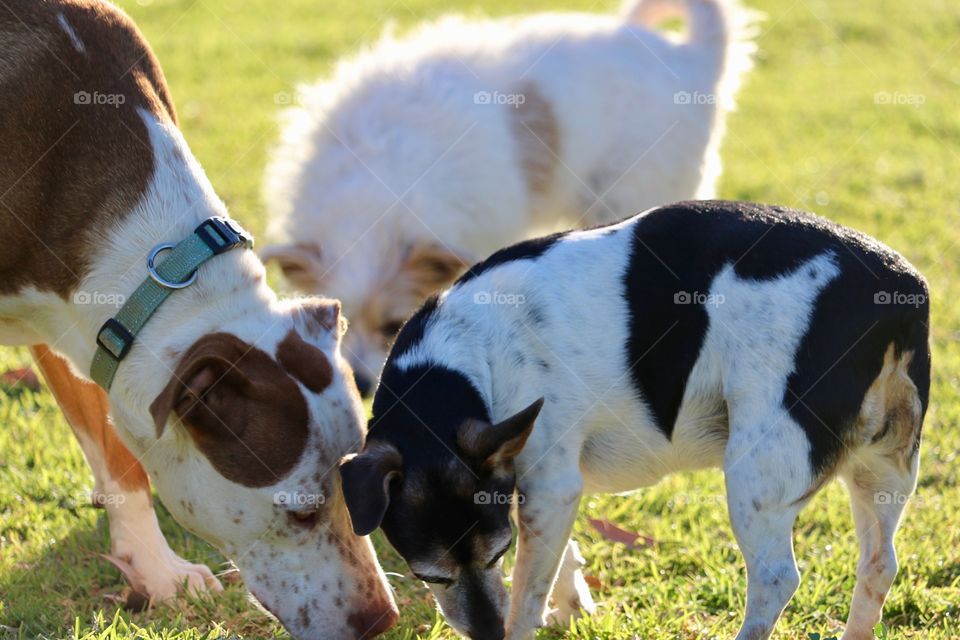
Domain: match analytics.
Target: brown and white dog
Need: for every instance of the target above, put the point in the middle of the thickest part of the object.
(236, 404)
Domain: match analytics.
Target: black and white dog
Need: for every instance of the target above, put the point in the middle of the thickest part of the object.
(771, 342)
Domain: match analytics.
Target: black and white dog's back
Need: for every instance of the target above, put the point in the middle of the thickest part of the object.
(773, 343)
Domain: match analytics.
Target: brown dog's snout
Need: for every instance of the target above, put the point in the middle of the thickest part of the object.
(372, 620)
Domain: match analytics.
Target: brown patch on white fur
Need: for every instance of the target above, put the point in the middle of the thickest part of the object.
(243, 411)
(305, 362)
(424, 270)
(890, 414)
(86, 408)
(320, 317)
(537, 133)
(71, 163)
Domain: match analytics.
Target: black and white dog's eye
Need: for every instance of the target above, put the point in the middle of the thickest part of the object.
(446, 582)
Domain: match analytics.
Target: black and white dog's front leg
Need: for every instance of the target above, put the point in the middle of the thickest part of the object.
(550, 499)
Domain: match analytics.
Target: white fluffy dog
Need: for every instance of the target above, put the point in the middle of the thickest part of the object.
(426, 151)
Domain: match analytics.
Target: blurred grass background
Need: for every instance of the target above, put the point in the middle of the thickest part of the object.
(853, 111)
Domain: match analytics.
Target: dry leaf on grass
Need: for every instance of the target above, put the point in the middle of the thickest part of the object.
(614, 533)
(22, 377)
(593, 582)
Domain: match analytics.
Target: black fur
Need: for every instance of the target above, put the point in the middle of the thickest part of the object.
(526, 250)
(442, 400)
(681, 248)
(412, 331)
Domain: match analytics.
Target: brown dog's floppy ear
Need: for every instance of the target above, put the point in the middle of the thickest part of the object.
(497, 444)
(433, 267)
(300, 263)
(187, 386)
(243, 411)
(366, 485)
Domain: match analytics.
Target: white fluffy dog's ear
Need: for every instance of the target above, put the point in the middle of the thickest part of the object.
(300, 262)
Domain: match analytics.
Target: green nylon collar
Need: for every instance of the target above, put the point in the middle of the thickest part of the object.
(178, 270)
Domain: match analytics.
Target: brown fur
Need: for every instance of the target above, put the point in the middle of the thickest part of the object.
(300, 263)
(243, 411)
(537, 133)
(305, 362)
(68, 170)
(425, 270)
(86, 408)
(890, 414)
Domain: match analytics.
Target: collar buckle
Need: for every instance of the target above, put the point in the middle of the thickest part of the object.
(118, 342)
(222, 235)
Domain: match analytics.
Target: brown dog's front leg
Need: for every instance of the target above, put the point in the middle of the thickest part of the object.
(138, 547)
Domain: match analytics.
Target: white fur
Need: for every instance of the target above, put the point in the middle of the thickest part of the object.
(394, 151)
(288, 570)
(594, 436)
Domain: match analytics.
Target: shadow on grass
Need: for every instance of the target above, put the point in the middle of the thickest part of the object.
(44, 595)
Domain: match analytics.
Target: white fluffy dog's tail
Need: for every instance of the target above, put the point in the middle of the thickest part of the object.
(722, 29)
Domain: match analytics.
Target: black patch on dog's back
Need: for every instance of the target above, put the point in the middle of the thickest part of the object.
(679, 249)
(526, 250)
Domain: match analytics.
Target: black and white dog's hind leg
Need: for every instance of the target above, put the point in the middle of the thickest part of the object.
(881, 475)
(766, 471)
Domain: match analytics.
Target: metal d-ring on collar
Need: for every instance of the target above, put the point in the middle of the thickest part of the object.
(177, 271)
(152, 270)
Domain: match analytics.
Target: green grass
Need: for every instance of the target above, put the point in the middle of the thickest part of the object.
(809, 133)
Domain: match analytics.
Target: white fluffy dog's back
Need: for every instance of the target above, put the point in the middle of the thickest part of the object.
(427, 151)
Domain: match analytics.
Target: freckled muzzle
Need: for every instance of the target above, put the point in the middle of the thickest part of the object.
(330, 586)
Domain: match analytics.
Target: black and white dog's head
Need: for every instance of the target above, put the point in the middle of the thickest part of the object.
(442, 490)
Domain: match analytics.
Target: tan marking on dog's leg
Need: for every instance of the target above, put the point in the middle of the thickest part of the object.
(881, 477)
(537, 134)
(138, 547)
(86, 407)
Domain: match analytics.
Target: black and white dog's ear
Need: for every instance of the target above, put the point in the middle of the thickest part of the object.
(366, 485)
(495, 445)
